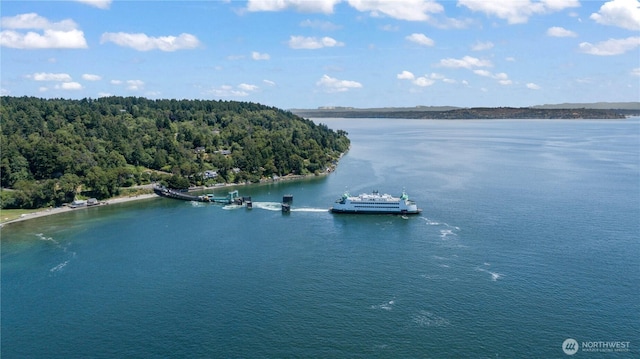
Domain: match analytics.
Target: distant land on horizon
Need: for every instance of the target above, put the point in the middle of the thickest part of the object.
(598, 110)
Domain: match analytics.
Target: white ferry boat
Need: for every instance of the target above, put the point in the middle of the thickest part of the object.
(375, 203)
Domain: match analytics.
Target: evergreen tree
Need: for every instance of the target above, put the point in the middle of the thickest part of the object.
(53, 149)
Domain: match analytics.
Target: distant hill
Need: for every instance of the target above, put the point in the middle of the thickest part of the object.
(595, 105)
(376, 109)
(601, 110)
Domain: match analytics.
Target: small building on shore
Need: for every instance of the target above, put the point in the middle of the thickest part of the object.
(78, 203)
(92, 202)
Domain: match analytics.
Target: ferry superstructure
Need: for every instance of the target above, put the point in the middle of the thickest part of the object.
(375, 203)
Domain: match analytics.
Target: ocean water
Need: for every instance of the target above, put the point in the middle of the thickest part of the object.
(529, 236)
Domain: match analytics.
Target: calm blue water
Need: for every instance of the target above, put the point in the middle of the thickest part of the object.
(529, 235)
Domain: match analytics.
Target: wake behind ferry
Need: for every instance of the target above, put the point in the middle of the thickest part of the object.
(375, 203)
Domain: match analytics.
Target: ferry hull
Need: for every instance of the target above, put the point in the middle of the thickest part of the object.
(375, 203)
(355, 211)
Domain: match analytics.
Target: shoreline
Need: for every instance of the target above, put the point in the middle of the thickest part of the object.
(53, 211)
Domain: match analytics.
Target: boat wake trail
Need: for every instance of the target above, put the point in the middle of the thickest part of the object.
(42, 237)
(316, 210)
(57, 244)
(494, 275)
(447, 231)
(59, 266)
(276, 207)
(229, 207)
(384, 306)
(269, 206)
(425, 318)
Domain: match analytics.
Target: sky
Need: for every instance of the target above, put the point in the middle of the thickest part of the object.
(325, 53)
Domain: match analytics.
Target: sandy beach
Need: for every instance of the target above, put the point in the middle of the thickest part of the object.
(58, 210)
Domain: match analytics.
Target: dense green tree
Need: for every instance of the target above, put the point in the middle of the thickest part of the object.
(68, 186)
(102, 183)
(54, 149)
(179, 182)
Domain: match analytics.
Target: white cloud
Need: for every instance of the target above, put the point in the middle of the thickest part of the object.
(622, 13)
(321, 25)
(323, 6)
(635, 72)
(258, 56)
(410, 10)
(420, 39)
(482, 73)
(611, 46)
(533, 86)
(301, 42)
(227, 91)
(405, 75)
(69, 86)
(104, 94)
(132, 85)
(514, 12)
(248, 87)
(48, 76)
(35, 21)
(423, 81)
(135, 85)
(4, 92)
(91, 77)
(517, 12)
(466, 62)
(100, 4)
(502, 77)
(50, 39)
(54, 35)
(481, 46)
(269, 82)
(557, 5)
(142, 42)
(330, 84)
(557, 31)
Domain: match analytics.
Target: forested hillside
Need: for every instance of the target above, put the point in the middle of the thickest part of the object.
(55, 149)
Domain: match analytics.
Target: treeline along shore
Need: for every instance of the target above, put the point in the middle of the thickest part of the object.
(58, 150)
(452, 113)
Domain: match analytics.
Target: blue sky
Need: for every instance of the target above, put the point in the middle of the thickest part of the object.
(315, 53)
